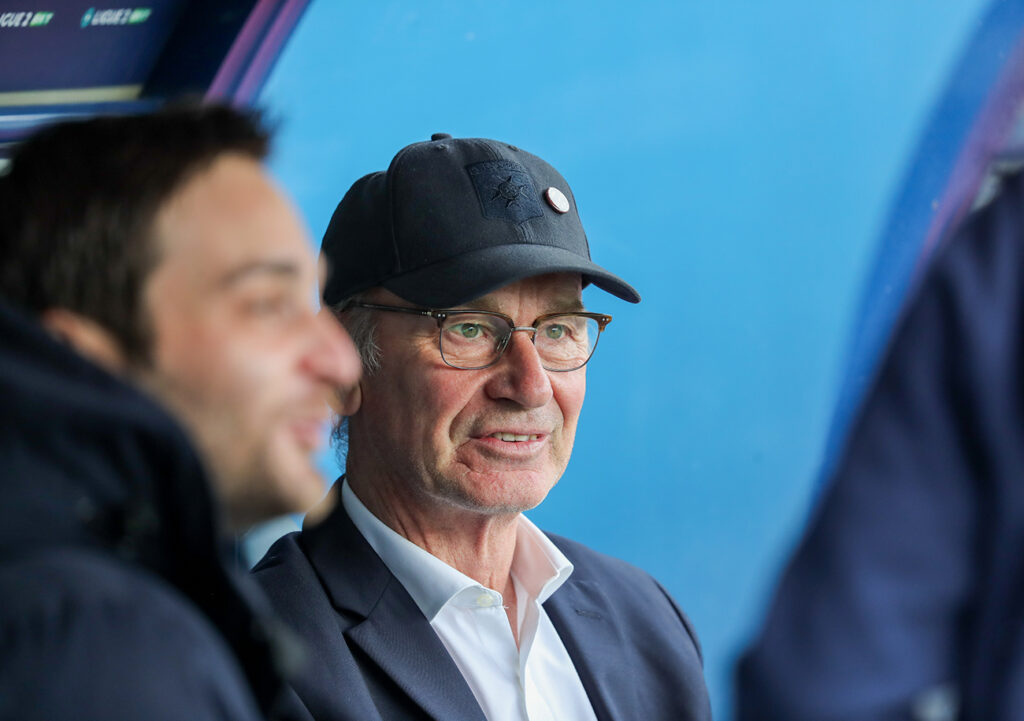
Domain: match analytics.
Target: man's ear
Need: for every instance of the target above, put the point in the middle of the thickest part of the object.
(86, 336)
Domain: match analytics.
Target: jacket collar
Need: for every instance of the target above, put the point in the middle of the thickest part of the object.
(585, 620)
(89, 461)
(384, 621)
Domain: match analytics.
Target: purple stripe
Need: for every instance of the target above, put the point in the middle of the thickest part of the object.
(241, 50)
(986, 138)
(269, 50)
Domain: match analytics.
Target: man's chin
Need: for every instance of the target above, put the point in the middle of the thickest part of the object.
(508, 494)
(292, 475)
(276, 490)
(298, 492)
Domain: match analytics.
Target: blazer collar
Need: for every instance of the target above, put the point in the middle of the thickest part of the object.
(385, 622)
(584, 618)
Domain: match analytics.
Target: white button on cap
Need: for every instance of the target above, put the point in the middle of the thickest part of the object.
(557, 200)
(485, 600)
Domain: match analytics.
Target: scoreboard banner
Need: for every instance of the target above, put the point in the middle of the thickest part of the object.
(61, 58)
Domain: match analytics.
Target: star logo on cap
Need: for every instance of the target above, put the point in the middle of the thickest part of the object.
(505, 190)
(508, 191)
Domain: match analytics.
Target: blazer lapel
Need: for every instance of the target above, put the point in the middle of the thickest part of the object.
(585, 622)
(402, 642)
(385, 622)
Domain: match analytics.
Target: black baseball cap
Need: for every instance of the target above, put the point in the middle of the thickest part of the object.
(454, 219)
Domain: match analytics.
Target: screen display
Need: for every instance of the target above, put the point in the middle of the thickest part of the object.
(58, 51)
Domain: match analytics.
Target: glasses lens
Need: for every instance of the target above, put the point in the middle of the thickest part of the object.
(472, 340)
(566, 342)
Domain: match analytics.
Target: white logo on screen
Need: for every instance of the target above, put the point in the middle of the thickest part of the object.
(24, 19)
(115, 16)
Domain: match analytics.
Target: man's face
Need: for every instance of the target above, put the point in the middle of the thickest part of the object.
(238, 351)
(434, 434)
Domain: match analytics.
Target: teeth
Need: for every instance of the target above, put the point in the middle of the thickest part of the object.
(514, 437)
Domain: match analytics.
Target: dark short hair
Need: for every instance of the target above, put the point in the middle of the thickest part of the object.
(79, 200)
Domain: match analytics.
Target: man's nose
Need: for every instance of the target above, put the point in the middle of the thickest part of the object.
(333, 358)
(519, 374)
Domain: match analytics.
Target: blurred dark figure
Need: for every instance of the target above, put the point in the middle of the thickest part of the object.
(905, 599)
(156, 247)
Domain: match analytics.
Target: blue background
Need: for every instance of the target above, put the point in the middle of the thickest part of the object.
(734, 161)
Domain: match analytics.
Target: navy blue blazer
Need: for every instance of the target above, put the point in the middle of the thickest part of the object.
(906, 594)
(373, 655)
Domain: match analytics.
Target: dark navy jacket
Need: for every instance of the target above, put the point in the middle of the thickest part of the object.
(910, 578)
(114, 599)
(375, 656)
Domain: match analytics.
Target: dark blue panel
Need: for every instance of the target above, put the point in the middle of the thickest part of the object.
(970, 124)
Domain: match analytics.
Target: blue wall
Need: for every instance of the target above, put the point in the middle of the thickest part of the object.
(732, 160)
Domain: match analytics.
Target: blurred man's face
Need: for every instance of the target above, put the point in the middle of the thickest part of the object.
(239, 352)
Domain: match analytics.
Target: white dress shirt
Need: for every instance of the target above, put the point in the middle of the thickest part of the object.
(534, 682)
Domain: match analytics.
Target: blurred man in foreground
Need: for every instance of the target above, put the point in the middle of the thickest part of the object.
(426, 593)
(905, 597)
(156, 247)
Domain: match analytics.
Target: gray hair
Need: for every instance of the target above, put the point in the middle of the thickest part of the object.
(362, 327)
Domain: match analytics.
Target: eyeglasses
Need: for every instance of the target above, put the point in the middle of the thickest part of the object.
(475, 339)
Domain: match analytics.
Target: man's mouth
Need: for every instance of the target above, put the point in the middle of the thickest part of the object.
(515, 437)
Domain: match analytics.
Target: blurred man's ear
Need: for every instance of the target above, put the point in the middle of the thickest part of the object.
(86, 336)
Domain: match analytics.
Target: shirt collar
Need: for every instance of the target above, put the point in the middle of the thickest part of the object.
(537, 564)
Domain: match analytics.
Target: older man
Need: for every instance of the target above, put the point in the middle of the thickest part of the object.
(426, 593)
(158, 248)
